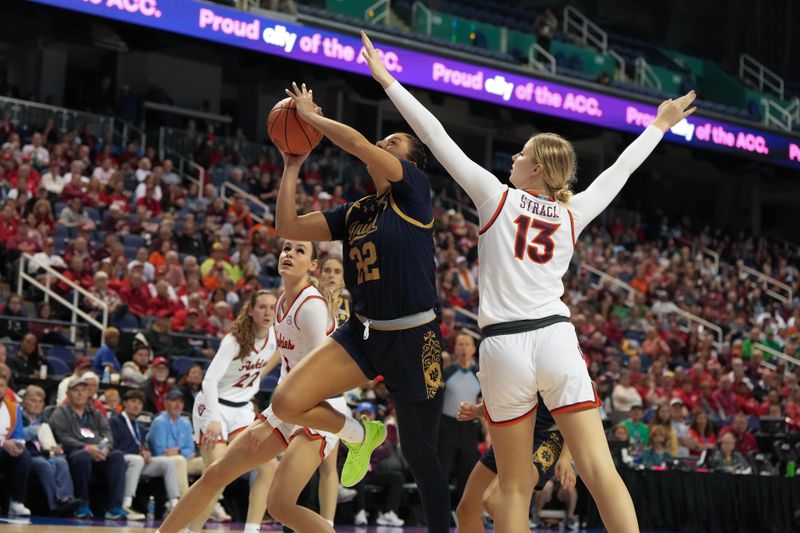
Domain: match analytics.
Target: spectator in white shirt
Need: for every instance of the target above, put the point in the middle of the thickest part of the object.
(53, 181)
(624, 395)
(104, 171)
(141, 189)
(76, 169)
(170, 177)
(40, 156)
(144, 169)
(47, 257)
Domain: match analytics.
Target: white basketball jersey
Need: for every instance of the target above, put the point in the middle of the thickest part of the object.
(293, 344)
(242, 378)
(525, 247)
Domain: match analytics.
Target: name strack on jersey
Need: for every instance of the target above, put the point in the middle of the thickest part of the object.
(284, 344)
(549, 210)
(253, 365)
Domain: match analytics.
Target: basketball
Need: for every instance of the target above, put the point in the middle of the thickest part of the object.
(288, 131)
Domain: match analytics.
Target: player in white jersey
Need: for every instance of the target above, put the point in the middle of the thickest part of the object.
(223, 408)
(525, 246)
(303, 321)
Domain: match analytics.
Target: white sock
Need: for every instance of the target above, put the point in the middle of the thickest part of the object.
(127, 501)
(330, 522)
(250, 527)
(173, 502)
(353, 431)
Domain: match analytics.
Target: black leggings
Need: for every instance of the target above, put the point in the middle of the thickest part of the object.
(418, 425)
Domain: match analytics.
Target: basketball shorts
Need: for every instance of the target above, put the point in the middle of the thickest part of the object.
(410, 360)
(547, 447)
(233, 419)
(547, 361)
(286, 432)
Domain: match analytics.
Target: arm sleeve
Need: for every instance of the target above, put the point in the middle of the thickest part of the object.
(480, 184)
(313, 321)
(586, 205)
(337, 221)
(228, 349)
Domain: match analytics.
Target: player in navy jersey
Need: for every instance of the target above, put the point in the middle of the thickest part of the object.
(393, 330)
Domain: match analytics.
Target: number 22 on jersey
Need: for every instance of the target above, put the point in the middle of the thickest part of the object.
(542, 245)
(365, 259)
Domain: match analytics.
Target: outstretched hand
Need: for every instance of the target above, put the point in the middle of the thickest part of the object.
(670, 112)
(290, 160)
(376, 66)
(304, 101)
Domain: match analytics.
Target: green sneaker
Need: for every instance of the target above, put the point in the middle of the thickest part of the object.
(358, 455)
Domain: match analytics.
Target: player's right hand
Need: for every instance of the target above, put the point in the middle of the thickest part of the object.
(213, 431)
(468, 411)
(670, 112)
(294, 160)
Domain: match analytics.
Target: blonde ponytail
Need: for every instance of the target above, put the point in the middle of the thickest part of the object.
(557, 156)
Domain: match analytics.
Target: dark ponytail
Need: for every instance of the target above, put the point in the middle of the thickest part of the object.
(416, 152)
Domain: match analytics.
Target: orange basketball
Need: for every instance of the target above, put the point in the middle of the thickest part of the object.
(288, 131)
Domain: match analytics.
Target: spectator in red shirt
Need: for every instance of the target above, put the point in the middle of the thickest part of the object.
(80, 272)
(161, 302)
(149, 201)
(24, 241)
(135, 294)
(635, 366)
(688, 395)
(702, 433)
(725, 398)
(745, 441)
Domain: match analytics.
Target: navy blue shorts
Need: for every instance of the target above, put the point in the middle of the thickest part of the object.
(546, 451)
(410, 360)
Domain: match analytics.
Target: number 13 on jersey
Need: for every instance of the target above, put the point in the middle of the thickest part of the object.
(365, 259)
(542, 245)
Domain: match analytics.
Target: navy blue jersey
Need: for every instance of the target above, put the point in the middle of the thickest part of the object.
(388, 248)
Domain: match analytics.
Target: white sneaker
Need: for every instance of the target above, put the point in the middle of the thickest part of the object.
(361, 518)
(133, 515)
(17, 509)
(345, 495)
(219, 514)
(390, 519)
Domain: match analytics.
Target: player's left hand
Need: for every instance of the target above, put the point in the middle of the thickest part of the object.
(290, 160)
(468, 411)
(374, 62)
(670, 112)
(565, 474)
(304, 100)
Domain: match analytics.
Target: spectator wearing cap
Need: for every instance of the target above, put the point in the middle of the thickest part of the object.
(87, 440)
(137, 371)
(15, 460)
(29, 359)
(157, 387)
(745, 441)
(171, 435)
(106, 357)
(681, 428)
(385, 470)
(130, 439)
(209, 266)
(82, 365)
(638, 432)
(48, 461)
(458, 441)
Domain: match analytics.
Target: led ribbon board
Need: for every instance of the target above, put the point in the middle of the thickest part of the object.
(339, 51)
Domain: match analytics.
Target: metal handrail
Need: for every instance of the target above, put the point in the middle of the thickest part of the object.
(551, 60)
(780, 355)
(609, 278)
(764, 76)
(182, 162)
(428, 15)
(769, 280)
(65, 114)
(573, 18)
(776, 115)
(645, 75)
(620, 63)
(372, 18)
(701, 321)
(26, 258)
(249, 197)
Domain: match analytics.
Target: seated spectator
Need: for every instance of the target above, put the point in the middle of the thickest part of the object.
(678, 420)
(130, 439)
(746, 442)
(217, 256)
(117, 309)
(106, 357)
(148, 269)
(190, 384)
(656, 454)
(47, 257)
(171, 435)
(112, 401)
(157, 387)
(135, 294)
(79, 272)
(386, 471)
(47, 457)
(28, 361)
(10, 328)
(74, 216)
(663, 418)
(163, 303)
(82, 366)
(220, 322)
(728, 459)
(104, 171)
(92, 381)
(702, 433)
(86, 437)
(162, 341)
(638, 432)
(569, 496)
(137, 371)
(53, 181)
(15, 460)
(624, 396)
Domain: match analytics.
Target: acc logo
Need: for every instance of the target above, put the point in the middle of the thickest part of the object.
(289, 320)
(148, 8)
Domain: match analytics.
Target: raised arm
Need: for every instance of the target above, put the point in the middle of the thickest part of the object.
(479, 183)
(384, 168)
(591, 202)
(309, 227)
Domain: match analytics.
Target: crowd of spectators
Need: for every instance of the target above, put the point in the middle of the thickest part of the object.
(174, 266)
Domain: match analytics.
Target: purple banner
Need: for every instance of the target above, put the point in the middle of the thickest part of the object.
(342, 52)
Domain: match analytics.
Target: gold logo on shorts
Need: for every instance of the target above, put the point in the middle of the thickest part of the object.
(549, 451)
(432, 364)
